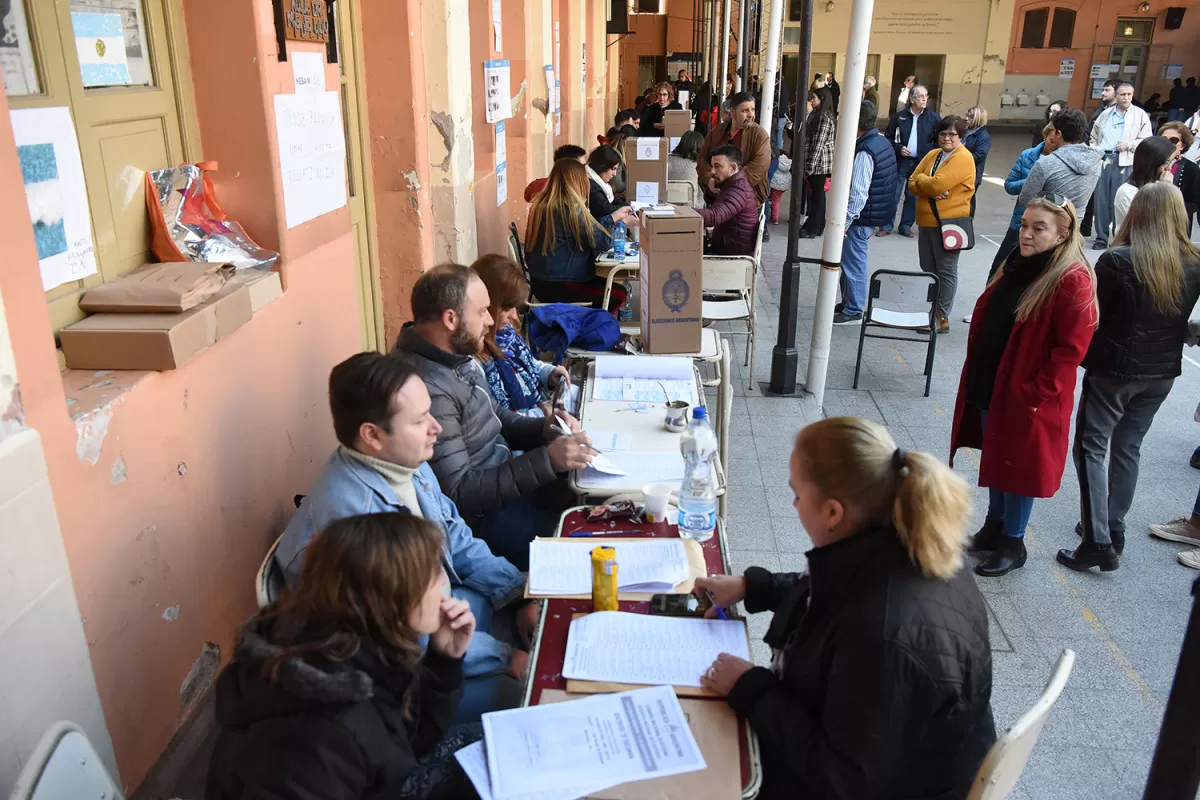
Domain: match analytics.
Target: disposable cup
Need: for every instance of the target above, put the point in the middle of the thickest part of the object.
(657, 495)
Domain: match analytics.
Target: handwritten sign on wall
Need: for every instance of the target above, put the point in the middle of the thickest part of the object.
(312, 155)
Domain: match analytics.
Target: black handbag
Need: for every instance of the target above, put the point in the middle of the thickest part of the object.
(957, 233)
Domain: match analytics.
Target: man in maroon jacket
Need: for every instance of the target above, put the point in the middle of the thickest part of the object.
(734, 213)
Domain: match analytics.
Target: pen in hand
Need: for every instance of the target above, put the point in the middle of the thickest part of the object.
(565, 430)
(713, 600)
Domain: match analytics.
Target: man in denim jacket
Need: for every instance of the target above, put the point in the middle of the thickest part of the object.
(381, 415)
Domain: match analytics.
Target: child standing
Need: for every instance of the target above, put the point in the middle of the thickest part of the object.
(781, 181)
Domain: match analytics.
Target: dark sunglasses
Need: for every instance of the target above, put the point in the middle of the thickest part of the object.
(1053, 197)
(1173, 139)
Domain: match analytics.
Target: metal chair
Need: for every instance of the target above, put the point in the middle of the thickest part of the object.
(517, 253)
(730, 282)
(910, 300)
(64, 765)
(1005, 761)
(681, 193)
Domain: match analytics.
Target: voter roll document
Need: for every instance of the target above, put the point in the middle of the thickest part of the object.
(606, 738)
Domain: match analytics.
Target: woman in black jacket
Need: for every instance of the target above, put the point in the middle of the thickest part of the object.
(881, 673)
(329, 694)
(602, 165)
(652, 117)
(1185, 173)
(1146, 285)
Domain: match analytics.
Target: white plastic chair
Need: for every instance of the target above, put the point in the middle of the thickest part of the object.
(269, 580)
(64, 765)
(1006, 760)
(730, 281)
(681, 193)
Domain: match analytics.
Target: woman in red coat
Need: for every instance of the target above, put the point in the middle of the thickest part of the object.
(1029, 333)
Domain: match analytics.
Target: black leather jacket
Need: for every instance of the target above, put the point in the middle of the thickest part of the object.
(1135, 341)
(883, 677)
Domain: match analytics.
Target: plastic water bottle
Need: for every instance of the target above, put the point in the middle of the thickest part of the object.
(625, 314)
(697, 495)
(618, 240)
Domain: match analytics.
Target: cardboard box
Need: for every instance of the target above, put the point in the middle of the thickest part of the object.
(646, 169)
(264, 287)
(672, 268)
(160, 288)
(676, 123)
(155, 341)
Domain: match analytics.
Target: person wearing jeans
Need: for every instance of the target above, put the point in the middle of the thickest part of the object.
(911, 131)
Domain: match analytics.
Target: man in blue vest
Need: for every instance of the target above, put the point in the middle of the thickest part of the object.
(911, 132)
(872, 203)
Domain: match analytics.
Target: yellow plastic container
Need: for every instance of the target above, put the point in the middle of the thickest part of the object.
(604, 579)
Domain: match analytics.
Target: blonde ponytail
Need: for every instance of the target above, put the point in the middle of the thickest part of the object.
(857, 462)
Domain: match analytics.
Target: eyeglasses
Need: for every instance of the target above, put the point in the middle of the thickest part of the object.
(1173, 139)
(1053, 197)
(949, 134)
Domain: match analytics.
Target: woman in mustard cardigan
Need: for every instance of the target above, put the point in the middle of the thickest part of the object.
(945, 176)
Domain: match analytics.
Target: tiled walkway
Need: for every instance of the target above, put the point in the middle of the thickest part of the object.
(1126, 626)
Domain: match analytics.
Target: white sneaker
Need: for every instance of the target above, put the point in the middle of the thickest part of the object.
(967, 318)
(1177, 530)
(1190, 558)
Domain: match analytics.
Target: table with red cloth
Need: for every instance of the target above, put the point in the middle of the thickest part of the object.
(550, 638)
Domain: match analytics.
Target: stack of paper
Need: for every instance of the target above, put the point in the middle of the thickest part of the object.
(565, 750)
(646, 379)
(619, 647)
(565, 567)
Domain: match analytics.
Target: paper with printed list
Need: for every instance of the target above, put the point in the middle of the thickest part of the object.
(565, 567)
(473, 759)
(621, 647)
(312, 154)
(604, 739)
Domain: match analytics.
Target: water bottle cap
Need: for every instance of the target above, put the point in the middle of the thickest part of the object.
(699, 412)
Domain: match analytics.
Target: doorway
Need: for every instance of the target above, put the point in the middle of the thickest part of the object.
(1131, 50)
(929, 71)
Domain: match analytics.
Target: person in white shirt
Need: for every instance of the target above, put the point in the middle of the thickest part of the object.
(1151, 162)
(1117, 133)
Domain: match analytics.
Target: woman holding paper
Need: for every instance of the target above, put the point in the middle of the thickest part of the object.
(329, 693)
(881, 675)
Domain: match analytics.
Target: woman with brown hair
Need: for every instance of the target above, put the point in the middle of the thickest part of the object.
(329, 693)
(663, 100)
(1185, 174)
(881, 671)
(617, 143)
(1029, 332)
(1147, 284)
(562, 240)
(820, 128)
(516, 379)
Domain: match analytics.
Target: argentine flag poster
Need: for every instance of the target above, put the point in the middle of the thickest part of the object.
(100, 42)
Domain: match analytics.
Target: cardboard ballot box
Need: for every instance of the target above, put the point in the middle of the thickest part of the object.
(672, 265)
(646, 169)
(676, 123)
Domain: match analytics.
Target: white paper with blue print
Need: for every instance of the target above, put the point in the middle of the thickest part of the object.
(100, 43)
(52, 171)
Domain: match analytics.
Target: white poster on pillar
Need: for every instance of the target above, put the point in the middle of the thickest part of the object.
(497, 97)
(312, 155)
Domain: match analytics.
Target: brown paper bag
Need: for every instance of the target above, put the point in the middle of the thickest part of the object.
(169, 288)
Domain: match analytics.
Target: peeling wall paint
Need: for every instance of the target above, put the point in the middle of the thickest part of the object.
(91, 429)
(119, 473)
(518, 100)
(171, 614)
(414, 182)
(445, 126)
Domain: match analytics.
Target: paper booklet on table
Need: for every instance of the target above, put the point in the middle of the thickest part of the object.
(564, 567)
(644, 379)
(608, 738)
(694, 553)
(640, 649)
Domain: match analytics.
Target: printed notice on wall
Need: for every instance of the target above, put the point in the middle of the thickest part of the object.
(1066, 68)
(56, 194)
(551, 100)
(558, 107)
(501, 145)
(497, 99)
(1099, 71)
(312, 155)
(647, 148)
(501, 184)
(1173, 71)
(647, 192)
(308, 72)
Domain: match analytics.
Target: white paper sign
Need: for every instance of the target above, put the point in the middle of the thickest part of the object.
(497, 97)
(308, 72)
(501, 184)
(1098, 88)
(648, 148)
(56, 193)
(501, 145)
(647, 192)
(1173, 71)
(683, 97)
(1099, 71)
(312, 155)
(1066, 68)
(584, 69)
(551, 100)
(496, 24)
(674, 142)
(557, 107)
(1114, 69)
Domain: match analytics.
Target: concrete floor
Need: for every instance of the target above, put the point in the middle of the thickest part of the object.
(1126, 627)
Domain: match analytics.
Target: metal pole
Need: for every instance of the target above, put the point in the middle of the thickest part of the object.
(784, 358)
(725, 51)
(768, 86)
(1175, 770)
(714, 48)
(743, 20)
(839, 197)
(702, 72)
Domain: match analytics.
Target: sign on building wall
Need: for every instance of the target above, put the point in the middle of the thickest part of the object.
(1173, 71)
(312, 153)
(497, 95)
(1099, 71)
(1066, 68)
(306, 20)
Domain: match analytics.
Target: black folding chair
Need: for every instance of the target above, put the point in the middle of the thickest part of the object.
(905, 307)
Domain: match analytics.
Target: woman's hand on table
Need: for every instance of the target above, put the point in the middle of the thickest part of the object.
(622, 214)
(724, 673)
(726, 590)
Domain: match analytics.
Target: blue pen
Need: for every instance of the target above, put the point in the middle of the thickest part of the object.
(713, 600)
(606, 533)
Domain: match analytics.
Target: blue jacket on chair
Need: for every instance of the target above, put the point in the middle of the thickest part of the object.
(557, 326)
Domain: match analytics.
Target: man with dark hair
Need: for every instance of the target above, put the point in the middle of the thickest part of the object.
(912, 134)
(1108, 97)
(381, 417)
(507, 499)
(748, 136)
(1068, 166)
(565, 151)
(1118, 131)
(733, 215)
(872, 204)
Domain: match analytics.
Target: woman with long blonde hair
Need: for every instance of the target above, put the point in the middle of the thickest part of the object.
(880, 650)
(562, 240)
(1029, 332)
(1147, 284)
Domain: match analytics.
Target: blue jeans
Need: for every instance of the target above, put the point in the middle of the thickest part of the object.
(1011, 509)
(485, 693)
(509, 530)
(908, 215)
(854, 269)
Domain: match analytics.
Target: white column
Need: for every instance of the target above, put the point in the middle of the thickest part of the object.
(725, 50)
(839, 196)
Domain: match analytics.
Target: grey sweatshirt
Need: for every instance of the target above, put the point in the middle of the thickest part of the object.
(1072, 171)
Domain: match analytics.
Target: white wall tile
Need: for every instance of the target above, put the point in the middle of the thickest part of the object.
(33, 551)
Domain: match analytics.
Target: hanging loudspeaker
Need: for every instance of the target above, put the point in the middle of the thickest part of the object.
(1174, 19)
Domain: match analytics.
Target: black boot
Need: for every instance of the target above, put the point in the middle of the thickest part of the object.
(987, 538)
(1089, 555)
(1009, 555)
(1118, 537)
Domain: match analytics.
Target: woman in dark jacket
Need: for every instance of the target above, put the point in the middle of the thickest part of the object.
(881, 674)
(1185, 173)
(652, 117)
(602, 166)
(978, 142)
(820, 129)
(562, 240)
(1146, 285)
(329, 693)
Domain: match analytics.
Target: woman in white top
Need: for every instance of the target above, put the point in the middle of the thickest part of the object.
(1151, 162)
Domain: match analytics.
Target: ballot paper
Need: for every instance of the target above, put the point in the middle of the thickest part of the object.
(473, 759)
(610, 441)
(620, 647)
(608, 738)
(644, 390)
(602, 463)
(641, 467)
(564, 568)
